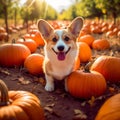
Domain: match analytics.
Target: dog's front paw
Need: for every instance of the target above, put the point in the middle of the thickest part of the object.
(49, 87)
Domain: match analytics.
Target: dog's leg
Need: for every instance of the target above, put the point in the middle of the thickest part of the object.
(49, 83)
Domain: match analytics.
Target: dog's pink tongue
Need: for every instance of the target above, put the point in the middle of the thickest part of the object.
(61, 56)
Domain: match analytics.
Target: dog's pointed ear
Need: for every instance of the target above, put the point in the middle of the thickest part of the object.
(45, 28)
(76, 26)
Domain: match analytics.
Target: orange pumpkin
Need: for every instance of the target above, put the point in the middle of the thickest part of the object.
(87, 39)
(31, 44)
(104, 29)
(77, 63)
(110, 110)
(40, 38)
(108, 66)
(36, 37)
(118, 34)
(13, 54)
(4, 36)
(96, 29)
(110, 33)
(101, 44)
(33, 31)
(33, 63)
(2, 29)
(85, 52)
(84, 84)
(19, 105)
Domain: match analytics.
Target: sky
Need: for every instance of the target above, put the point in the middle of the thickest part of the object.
(59, 5)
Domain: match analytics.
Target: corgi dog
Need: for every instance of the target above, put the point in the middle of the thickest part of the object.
(60, 50)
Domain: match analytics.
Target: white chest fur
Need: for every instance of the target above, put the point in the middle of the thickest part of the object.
(60, 69)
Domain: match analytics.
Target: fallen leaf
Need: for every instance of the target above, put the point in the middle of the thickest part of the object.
(40, 80)
(4, 72)
(111, 89)
(79, 115)
(48, 109)
(83, 104)
(91, 101)
(50, 105)
(77, 111)
(23, 81)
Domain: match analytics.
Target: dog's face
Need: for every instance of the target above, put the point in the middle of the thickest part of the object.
(60, 42)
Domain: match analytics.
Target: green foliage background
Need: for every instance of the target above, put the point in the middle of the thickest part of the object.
(32, 10)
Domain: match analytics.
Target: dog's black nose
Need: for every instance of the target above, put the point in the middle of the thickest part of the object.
(60, 48)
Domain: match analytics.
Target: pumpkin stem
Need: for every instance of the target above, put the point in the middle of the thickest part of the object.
(4, 99)
(87, 66)
(13, 40)
(23, 38)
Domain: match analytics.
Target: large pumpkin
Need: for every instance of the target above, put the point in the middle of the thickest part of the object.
(13, 54)
(108, 66)
(110, 110)
(34, 63)
(85, 52)
(19, 105)
(85, 84)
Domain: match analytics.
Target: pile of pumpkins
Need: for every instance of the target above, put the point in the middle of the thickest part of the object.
(110, 29)
(92, 81)
(19, 105)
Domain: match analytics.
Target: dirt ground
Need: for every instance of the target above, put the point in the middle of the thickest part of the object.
(60, 105)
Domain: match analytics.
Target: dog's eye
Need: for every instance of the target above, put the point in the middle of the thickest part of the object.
(66, 38)
(54, 39)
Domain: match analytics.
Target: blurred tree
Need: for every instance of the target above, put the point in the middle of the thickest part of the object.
(92, 8)
(85, 8)
(34, 9)
(50, 13)
(109, 7)
(4, 6)
(68, 14)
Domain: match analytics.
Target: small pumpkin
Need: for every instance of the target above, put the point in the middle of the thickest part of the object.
(2, 29)
(36, 37)
(108, 66)
(31, 44)
(118, 34)
(85, 52)
(87, 39)
(13, 54)
(104, 29)
(110, 110)
(32, 30)
(4, 36)
(109, 33)
(100, 44)
(34, 63)
(19, 105)
(85, 84)
(39, 38)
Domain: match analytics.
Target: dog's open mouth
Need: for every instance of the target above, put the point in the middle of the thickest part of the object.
(61, 55)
